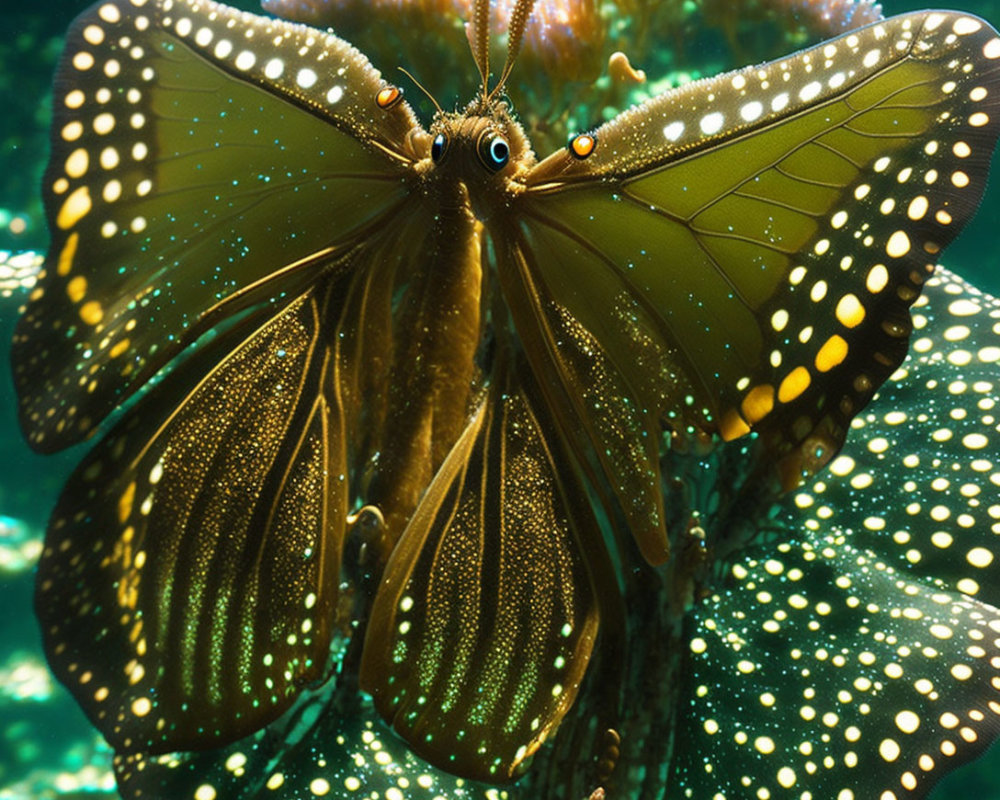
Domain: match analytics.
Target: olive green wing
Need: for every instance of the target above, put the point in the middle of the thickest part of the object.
(187, 589)
(191, 580)
(486, 616)
(743, 251)
(202, 160)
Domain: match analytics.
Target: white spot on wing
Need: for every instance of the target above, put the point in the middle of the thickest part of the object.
(273, 68)
(245, 60)
(751, 111)
(711, 123)
(810, 91)
(306, 78)
(965, 25)
(673, 131)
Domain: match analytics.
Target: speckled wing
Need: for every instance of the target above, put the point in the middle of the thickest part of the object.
(487, 612)
(334, 745)
(183, 609)
(744, 250)
(860, 657)
(203, 160)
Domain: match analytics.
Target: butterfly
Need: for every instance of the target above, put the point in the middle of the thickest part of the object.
(401, 406)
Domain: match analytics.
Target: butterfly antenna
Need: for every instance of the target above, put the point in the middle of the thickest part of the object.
(515, 36)
(421, 87)
(478, 32)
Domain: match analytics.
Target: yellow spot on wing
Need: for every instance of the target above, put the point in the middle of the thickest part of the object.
(758, 403)
(119, 348)
(77, 163)
(732, 426)
(91, 312)
(832, 353)
(74, 208)
(794, 384)
(67, 254)
(76, 289)
(125, 503)
(275, 781)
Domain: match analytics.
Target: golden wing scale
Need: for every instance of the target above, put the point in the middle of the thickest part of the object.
(431, 324)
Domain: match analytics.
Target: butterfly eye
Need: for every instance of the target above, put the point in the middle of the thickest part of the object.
(494, 151)
(439, 147)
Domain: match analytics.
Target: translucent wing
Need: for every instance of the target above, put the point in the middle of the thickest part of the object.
(200, 542)
(486, 616)
(743, 251)
(860, 657)
(203, 160)
(188, 585)
(585, 385)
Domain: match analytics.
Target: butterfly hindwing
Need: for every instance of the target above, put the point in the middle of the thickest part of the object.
(333, 742)
(486, 615)
(582, 384)
(202, 159)
(184, 610)
(766, 231)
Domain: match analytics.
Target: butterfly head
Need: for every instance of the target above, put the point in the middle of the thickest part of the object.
(483, 147)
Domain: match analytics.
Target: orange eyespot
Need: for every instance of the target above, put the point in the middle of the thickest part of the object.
(582, 145)
(388, 97)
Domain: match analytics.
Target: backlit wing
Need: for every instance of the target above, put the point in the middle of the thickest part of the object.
(188, 585)
(203, 160)
(743, 251)
(487, 613)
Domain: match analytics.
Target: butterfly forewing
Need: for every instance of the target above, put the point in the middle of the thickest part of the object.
(486, 617)
(769, 229)
(863, 652)
(183, 610)
(942, 520)
(199, 156)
